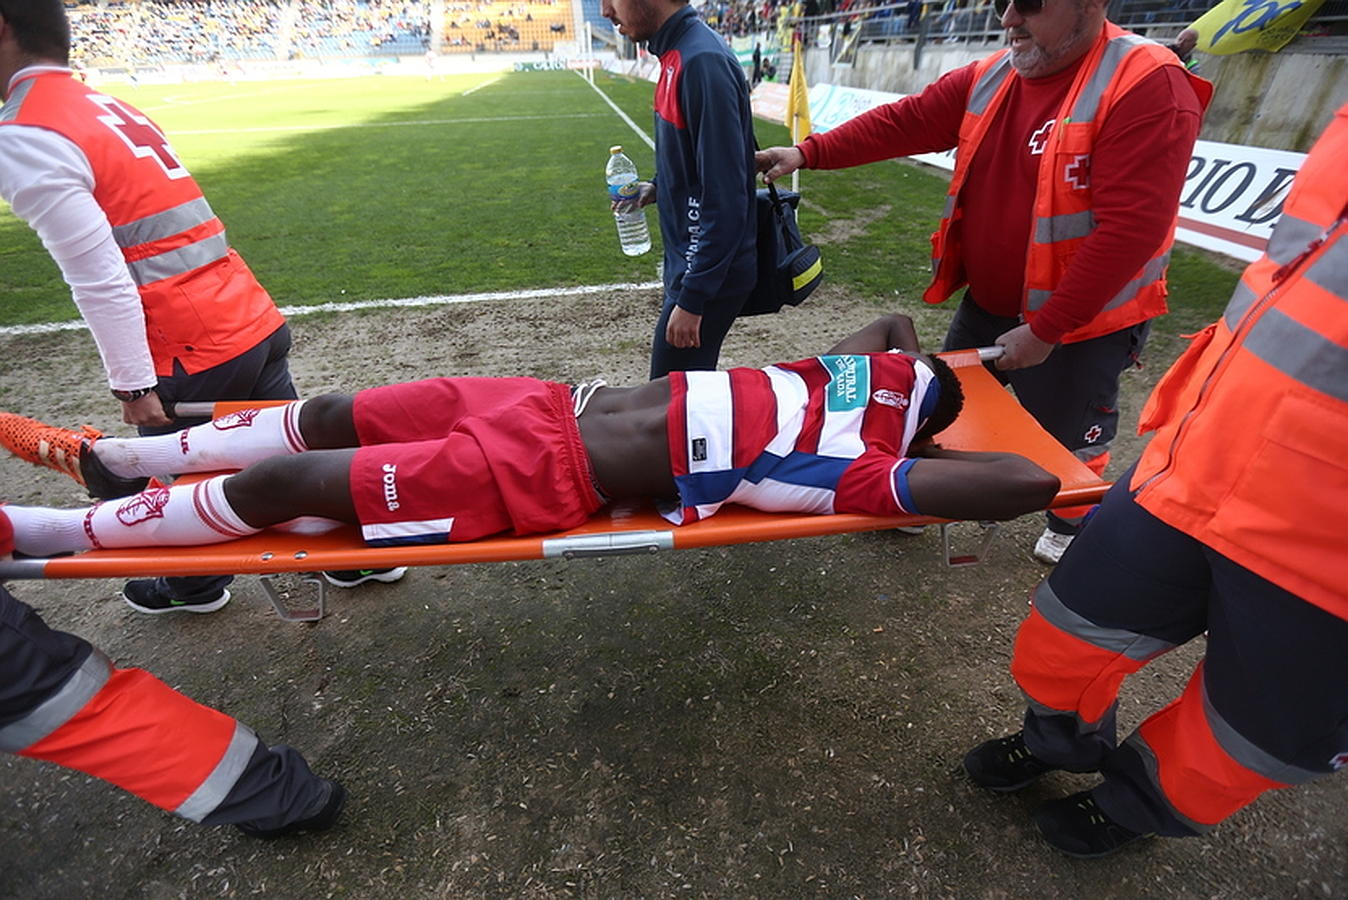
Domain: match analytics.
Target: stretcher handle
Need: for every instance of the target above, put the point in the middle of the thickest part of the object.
(204, 409)
(988, 354)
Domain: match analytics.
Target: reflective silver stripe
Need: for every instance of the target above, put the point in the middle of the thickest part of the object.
(1148, 756)
(1115, 640)
(1151, 273)
(1239, 304)
(1036, 298)
(1088, 101)
(60, 707)
(1330, 271)
(1243, 751)
(1082, 726)
(949, 206)
(986, 87)
(177, 262)
(221, 781)
(10, 111)
(1300, 352)
(164, 224)
(1067, 227)
(1291, 236)
(1086, 454)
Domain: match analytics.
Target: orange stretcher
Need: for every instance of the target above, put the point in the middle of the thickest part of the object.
(992, 420)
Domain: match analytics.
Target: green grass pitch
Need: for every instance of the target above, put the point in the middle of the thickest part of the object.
(383, 186)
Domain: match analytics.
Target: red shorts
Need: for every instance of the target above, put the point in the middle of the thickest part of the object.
(457, 459)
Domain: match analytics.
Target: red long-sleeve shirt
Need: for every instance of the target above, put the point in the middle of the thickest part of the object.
(1137, 170)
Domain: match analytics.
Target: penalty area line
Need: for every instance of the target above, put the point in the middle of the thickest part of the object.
(391, 303)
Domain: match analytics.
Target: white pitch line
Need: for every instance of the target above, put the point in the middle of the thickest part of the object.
(172, 102)
(419, 122)
(650, 142)
(392, 303)
(477, 87)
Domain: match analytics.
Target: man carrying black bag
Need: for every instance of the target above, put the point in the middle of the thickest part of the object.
(704, 184)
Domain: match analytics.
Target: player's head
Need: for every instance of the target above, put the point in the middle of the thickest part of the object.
(39, 27)
(939, 411)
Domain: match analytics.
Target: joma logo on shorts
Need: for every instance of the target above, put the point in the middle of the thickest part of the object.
(391, 486)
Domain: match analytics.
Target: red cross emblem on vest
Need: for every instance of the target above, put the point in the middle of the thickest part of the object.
(1093, 434)
(1078, 172)
(139, 134)
(1339, 761)
(1039, 140)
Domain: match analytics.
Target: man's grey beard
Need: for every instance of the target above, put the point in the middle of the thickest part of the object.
(1036, 61)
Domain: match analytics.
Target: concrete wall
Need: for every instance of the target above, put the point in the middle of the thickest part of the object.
(1277, 100)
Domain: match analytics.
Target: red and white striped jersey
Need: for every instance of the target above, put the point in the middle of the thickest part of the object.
(823, 435)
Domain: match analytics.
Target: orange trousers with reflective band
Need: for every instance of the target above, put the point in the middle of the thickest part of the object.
(143, 736)
(1265, 708)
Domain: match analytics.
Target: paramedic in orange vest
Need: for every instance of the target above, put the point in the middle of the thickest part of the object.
(1072, 147)
(1230, 525)
(176, 313)
(64, 701)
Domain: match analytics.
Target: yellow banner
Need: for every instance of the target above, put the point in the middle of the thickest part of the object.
(1233, 26)
(798, 97)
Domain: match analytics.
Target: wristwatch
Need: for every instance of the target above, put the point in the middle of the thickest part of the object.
(129, 396)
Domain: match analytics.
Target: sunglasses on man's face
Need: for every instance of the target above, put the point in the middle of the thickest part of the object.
(1024, 7)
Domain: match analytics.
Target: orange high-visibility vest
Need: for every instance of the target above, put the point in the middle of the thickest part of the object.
(1250, 454)
(202, 304)
(1062, 205)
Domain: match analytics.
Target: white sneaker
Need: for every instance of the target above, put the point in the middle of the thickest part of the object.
(1051, 546)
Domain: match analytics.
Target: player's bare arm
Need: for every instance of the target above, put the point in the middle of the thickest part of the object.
(892, 332)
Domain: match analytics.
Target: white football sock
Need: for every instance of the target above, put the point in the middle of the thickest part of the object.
(229, 442)
(39, 531)
(182, 515)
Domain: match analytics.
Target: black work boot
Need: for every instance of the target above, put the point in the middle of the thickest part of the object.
(1004, 764)
(322, 820)
(1077, 827)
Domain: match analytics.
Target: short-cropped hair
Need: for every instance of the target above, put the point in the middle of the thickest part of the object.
(40, 27)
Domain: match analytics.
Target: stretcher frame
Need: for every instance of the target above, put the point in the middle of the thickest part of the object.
(992, 421)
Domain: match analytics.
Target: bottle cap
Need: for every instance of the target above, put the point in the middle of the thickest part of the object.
(616, 149)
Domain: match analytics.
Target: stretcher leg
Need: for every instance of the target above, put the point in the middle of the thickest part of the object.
(280, 598)
(954, 560)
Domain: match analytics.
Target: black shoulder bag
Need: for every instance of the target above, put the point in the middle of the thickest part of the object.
(788, 268)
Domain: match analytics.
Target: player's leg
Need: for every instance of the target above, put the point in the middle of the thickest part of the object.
(281, 488)
(217, 509)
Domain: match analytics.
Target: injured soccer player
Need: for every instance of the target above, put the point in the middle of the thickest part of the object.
(457, 459)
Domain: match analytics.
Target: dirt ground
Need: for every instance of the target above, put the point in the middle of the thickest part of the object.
(773, 720)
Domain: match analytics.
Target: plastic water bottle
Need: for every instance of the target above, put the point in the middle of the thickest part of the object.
(621, 174)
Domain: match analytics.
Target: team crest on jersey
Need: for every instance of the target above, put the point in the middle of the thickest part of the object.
(241, 419)
(143, 507)
(849, 383)
(886, 397)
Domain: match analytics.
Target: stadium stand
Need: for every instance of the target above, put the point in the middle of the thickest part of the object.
(153, 32)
